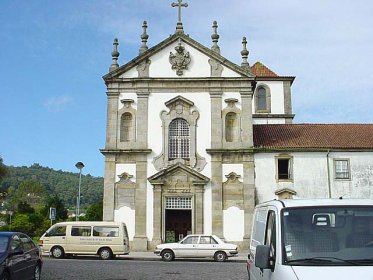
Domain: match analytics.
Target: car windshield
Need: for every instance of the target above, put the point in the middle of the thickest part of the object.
(3, 243)
(316, 236)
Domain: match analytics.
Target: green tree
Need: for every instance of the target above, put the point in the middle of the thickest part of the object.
(3, 174)
(24, 208)
(21, 222)
(3, 169)
(94, 212)
(55, 202)
(31, 192)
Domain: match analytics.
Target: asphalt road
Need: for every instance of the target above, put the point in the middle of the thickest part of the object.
(122, 269)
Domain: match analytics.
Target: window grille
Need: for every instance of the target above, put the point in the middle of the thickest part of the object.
(342, 170)
(178, 203)
(179, 139)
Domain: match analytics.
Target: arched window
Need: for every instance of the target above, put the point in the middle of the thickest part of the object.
(231, 127)
(126, 128)
(179, 139)
(262, 99)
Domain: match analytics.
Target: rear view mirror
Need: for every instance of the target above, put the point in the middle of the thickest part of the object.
(262, 256)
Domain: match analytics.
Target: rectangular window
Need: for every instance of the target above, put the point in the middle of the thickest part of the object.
(342, 169)
(80, 231)
(178, 203)
(105, 231)
(284, 169)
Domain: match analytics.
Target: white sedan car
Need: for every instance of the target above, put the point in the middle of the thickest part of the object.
(197, 246)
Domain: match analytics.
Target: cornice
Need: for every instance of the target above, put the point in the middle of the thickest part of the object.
(273, 116)
(125, 151)
(210, 84)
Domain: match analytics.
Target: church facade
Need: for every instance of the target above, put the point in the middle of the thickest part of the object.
(195, 141)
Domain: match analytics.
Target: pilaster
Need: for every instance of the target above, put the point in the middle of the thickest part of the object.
(249, 193)
(142, 119)
(199, 210)
(109, 183)
(217, 194)
(157, 213)
(140, 239)
(216, 119)
(287, 100)
(247, 118)
(112, 118)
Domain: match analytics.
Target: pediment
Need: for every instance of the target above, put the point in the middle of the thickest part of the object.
(152, 55)
(178, 176)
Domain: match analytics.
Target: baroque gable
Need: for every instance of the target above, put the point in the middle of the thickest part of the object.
(178, 56)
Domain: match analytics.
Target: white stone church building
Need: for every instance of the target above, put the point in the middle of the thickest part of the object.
(195, 141)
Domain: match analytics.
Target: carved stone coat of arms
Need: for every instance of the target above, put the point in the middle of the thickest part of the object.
(180, 60)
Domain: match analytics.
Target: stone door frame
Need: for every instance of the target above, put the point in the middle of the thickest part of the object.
(165, 184)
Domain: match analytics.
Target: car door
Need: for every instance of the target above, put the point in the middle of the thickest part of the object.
(31, 255)
(257, 238)
(270, 238)
(207, 246)
(188, 247)
(17, 262)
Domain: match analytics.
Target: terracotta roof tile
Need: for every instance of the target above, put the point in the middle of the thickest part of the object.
(261, 70)
(313, 136)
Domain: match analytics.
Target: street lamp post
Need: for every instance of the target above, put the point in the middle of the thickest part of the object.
(80, 166)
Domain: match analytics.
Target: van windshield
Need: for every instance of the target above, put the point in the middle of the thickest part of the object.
(341, 235)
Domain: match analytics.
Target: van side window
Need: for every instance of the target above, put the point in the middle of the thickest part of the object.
(80, 231)
(105, 231)
(270, 236)
(57, 231)
(259, 228)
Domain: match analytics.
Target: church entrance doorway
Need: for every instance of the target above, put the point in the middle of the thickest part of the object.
(178, 218)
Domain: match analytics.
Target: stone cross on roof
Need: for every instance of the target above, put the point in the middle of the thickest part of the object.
(179, 4)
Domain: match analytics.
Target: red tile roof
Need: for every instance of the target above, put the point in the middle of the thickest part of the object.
(313, 136)
(261, 70)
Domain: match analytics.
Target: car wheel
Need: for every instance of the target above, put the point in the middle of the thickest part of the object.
(220, 256)
(105, 254)
(57, 252)
(37, 272)
(167, 255)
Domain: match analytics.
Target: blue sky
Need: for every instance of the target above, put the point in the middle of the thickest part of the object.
(53, 55)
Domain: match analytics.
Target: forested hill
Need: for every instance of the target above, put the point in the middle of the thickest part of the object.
(64, 184)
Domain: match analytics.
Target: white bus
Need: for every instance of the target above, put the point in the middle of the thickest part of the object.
(105, 239)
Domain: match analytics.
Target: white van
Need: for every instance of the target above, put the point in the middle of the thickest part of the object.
(105, 239)
(319, 239)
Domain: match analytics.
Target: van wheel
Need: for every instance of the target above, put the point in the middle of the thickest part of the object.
(105, 254)
(167, 255)
(220, 256)
(57, 252)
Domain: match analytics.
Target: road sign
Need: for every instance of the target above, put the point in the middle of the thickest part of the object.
(52, 213)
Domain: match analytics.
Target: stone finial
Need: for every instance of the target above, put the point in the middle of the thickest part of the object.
(144, 38)
(215, 37)
(244, 53)
(115, 54)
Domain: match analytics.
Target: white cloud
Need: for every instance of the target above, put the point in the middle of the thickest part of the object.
(57, 103)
